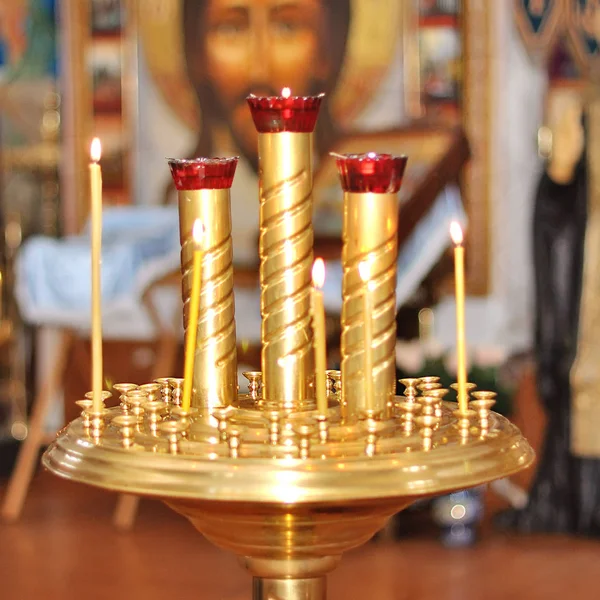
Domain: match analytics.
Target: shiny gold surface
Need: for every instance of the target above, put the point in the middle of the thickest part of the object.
(369, 234)
(285, 247)
(215, 365)
(337, 470)
(266, 483)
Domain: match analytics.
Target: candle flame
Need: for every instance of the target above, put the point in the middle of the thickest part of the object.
(96, 150)
(456, 233)
(286, 92)
(198, 232)
(318, 273)
(364, 270)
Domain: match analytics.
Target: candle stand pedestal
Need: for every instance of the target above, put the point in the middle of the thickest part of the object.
(267, 484)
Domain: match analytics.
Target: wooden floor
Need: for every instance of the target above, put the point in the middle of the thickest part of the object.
(65, 547)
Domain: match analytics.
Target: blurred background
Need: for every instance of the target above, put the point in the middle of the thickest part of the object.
(495, 103)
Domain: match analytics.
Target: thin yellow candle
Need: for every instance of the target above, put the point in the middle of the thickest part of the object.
(459, 277)
(364, 270)
(96, 240)
(319, 336)
(194, 310)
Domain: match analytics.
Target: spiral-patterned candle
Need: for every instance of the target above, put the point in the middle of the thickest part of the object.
(370, 228)
(204, 193)
(285, 125)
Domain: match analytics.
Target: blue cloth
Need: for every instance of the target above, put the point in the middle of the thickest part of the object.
(139, 245)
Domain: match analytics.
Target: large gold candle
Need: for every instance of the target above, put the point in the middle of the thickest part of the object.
(203, 187)
(285, 125)
(370, 226)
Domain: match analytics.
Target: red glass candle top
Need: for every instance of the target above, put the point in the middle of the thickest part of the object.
(274, 114)
(371, 172)
(203, 173)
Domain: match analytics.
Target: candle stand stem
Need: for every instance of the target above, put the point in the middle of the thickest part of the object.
(314, 588)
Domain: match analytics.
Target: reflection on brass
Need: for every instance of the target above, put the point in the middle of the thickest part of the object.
(254, 383)
(154, 409)
(267, 484)
(439, 394)
(285, 247)
(176, 384)
(215, 364)
(482, 405)
(126, 425)
(469, 387)
(428, 424)
(123, 388)
(464, 422)
(165, 388)
(85, 406)
(369, 234)
(408, 410)
(173, 431)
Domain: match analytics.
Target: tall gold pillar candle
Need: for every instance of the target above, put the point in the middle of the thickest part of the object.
(285, 124)
(203, 187)
(364, 270)
(459, 282)
(370, 225)
(319, 336)
(193, 314)
(96, 243)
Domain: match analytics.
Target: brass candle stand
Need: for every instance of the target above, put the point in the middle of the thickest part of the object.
(264, 474)
(288, 492)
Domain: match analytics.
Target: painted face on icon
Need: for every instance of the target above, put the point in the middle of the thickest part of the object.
(259, 47)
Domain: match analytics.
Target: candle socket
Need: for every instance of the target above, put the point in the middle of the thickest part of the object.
(373, 426)
(173, 431)
(274, 418)
(154, 409)
(176, 384)
(408, 410)
(185, 416)
(127, 425)
(439, 394)
(105, 395)
(323, 427)
(222, 416)
(97, 424)
(165, 388)
(410, 387)
(428, 424)
(428, 403)
(285, 248)
(233, 440)
(304, 433)
(469, 387)
(482, 405)
(463, 423)
(152, 391)
(123, 388)
(215, 359)
(254, 383)
(86, 407)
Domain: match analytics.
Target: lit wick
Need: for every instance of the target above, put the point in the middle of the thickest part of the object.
(193, 315)
(319, 337)
(364, 270)
(96, 241)
(286, 92)
(459, 282)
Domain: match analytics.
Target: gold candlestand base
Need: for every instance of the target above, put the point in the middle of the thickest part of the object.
(267, 483)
